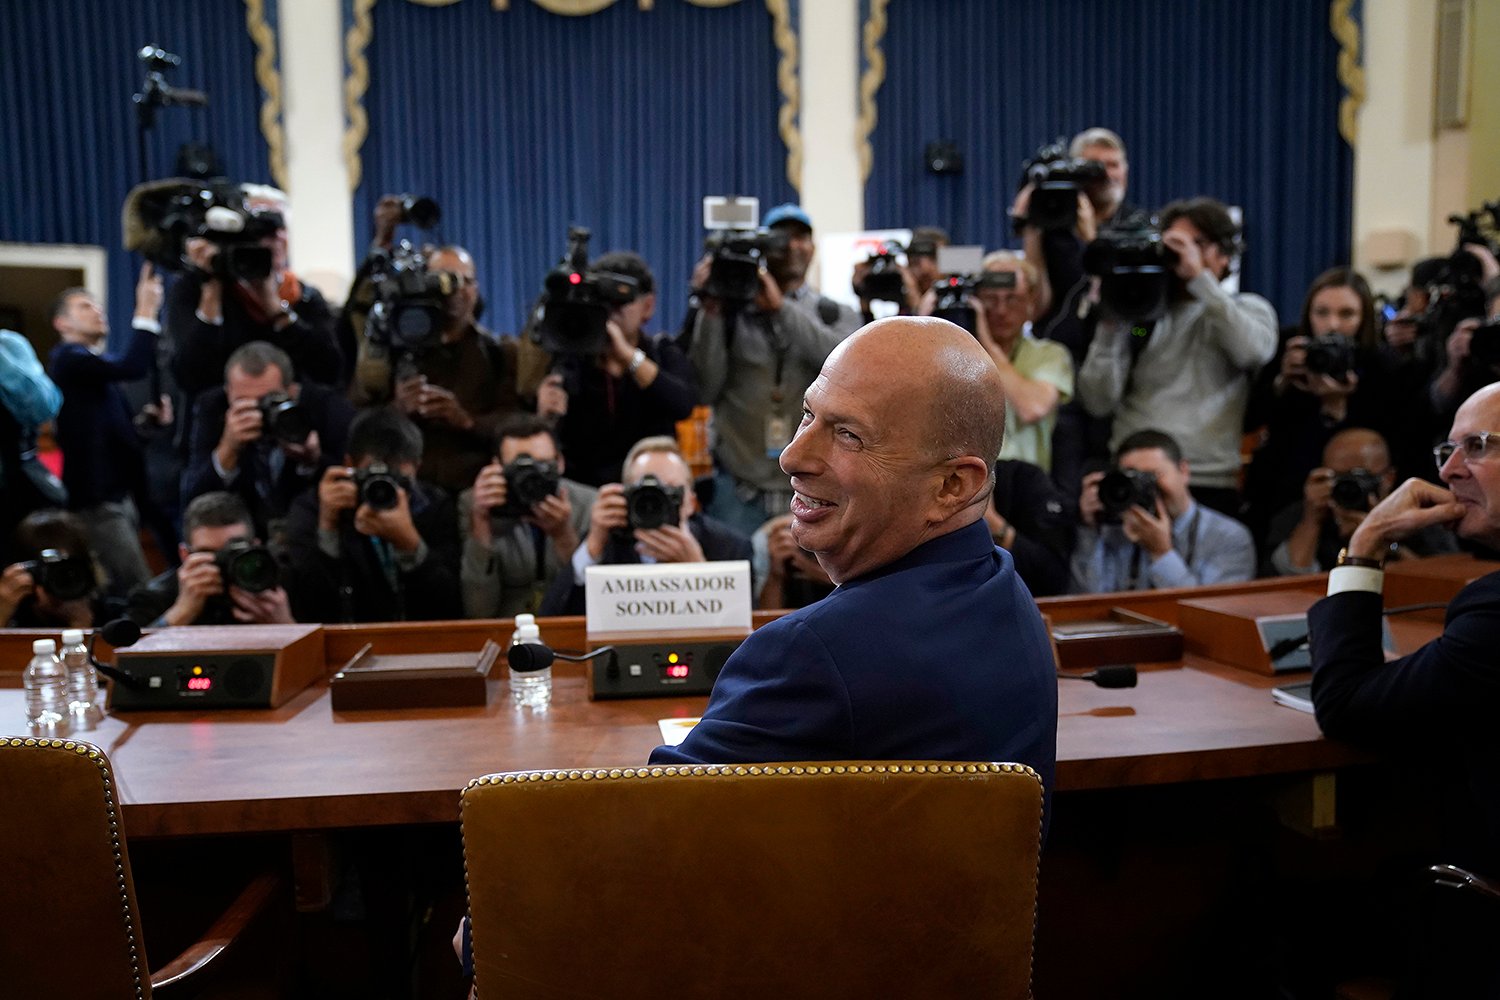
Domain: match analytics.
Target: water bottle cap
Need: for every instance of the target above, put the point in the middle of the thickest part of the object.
(44, 647)
(72, 637)
(524, 620)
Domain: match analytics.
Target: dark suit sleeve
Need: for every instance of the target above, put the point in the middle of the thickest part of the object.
(1446, 683)
(785, 697)
(1045, 522)
(208, 426)
(674, 391)
(430, 589)
(199, 347)
(78, 366)
(313, 580)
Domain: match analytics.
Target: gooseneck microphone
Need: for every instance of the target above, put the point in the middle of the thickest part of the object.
(1115, 675)
(530, 656)
(119, 633)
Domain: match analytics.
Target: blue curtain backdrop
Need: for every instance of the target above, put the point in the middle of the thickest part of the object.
(1219, 97)
(68, 128)
(522, 122)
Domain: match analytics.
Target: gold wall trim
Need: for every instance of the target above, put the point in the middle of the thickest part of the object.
(869, 85)
(791, 88)
(1351, 73)
(268, 75)
(357, 124)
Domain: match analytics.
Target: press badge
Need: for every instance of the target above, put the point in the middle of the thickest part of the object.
(778, 435)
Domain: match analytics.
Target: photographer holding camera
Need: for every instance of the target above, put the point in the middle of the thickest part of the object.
(226, 577)
(881, 277)
(651, 516)
(263, 436)
(1188, 372)
(1472, 349)
(56, 583)
(521, 522)
(371, 542)
(790, 265)
(1356, 474)
(640, 386)
(220, 305)
(1142, 530)
(104, 464)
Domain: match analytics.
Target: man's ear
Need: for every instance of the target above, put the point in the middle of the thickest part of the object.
(650, 308)
(963, 479)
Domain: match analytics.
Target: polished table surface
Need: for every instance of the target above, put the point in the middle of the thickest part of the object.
(304, 767)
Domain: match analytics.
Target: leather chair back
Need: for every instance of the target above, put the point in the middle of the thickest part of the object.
(855, 879)
(71, 928)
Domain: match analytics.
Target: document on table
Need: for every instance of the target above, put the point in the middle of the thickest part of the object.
(674, 731)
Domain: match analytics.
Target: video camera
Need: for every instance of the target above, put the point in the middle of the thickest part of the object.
(1330, 354)
(651, 504)
(883, 282)
(409, 300)
(66, 577)
(1056, 180)
(1122, 489)
(577, 300)
(380, 487)
(1352, 490)
(160, 216)
(527, 483)
(737, 258)
(954, 291)
(248, 566)
(1455, 290)
(1135, 271)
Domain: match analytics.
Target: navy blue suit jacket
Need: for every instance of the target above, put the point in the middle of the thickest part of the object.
(103, 459)
(1440, 701)
(940, 655)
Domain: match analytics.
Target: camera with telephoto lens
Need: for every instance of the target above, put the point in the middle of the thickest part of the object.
(248, 566)
(160, 216)
(1330, 354)
(66, 577)
(1135, 270)
(1122, 489)
(527, 483)
(954, 291)
(882, 282)
(409, 300)
(380, 487)
(736, 258)
(652, 504)
(1352, 490)
(1056, 180)
(577, 300)
(283, 419)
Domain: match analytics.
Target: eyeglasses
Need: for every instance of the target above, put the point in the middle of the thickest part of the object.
(1472, 447)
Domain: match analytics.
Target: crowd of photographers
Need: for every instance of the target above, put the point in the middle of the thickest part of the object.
(397, 460)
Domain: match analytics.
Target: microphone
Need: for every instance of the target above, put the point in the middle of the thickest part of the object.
(1114, 675)
(184, 97)
(530, 656)
(119, 633)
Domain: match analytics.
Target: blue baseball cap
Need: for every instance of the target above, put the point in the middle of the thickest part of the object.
(788, 212)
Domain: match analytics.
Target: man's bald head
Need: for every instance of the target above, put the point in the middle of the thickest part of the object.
(1356, 448)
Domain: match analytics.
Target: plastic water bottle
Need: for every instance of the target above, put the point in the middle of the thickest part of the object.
(529, 688)
(46, 684)
(83, 679)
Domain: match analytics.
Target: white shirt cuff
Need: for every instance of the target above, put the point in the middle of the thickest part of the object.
(147, 324)
(1346, 578)
(226, 476)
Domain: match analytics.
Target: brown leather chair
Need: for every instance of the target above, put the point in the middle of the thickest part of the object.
(71, 927)
(856, 879)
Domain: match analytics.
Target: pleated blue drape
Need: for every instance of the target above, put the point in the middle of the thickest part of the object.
(523, 122)
(1234, 99)
(68, 128)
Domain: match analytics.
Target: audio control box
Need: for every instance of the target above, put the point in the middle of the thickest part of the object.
(218, 666)
(676, 665)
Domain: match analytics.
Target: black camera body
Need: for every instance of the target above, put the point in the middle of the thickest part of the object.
(1056, 180)
(420, 210)
(160, 216)
(283, 419)
(407, 313)
(248, 566)
(954, 291)
(1330, 354)
(1352, 490)
(380, 487)
(1122, 489)
(1135, 270)
(652, 504)
(736, 258)
(527, 483)
(577, 300)
(64, 576)
(883, 282)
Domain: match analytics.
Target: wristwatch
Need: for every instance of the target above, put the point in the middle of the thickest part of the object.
(636, 360)
(1345, 559)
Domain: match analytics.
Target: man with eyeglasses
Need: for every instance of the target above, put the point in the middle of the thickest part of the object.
(1356, 474)
(1442, 699)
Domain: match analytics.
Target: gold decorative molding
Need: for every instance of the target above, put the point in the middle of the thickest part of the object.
(791, 93)
(1351, 73)
(869, 85)
(357, 126)
(268, 75)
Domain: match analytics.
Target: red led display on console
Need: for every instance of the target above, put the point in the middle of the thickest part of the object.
(677, 670)
(200, 683)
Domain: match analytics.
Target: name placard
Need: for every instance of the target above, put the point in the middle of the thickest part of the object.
(670, 596)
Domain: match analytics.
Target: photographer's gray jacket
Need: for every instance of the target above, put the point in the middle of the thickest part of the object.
(1192, 379)
(506, 578)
